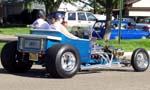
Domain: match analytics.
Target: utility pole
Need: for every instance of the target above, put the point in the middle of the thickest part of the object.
(120, 19)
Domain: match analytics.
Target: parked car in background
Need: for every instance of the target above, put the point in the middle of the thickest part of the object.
(147, 20)
(143, 26)
(125, 32)
(78, 18)
(129, 20)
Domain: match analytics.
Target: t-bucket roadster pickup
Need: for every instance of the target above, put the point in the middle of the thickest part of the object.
(63, 57)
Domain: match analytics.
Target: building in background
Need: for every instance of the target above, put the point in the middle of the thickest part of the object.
(76, 6)
(7, 7)
(12, 8)
(137, 8)
(132, 8)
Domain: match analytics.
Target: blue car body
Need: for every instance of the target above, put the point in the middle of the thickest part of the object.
(125, 33)
(79, 44)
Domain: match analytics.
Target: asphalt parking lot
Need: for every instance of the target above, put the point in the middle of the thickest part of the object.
(123, 78)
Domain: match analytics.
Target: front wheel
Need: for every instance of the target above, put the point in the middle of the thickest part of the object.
(140, 60)
(62, 61)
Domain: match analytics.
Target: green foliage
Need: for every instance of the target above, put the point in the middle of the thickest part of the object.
(28, 4)
(128, 45)
(53, 5)
(14, 30)
(1, 46)
(103, 2)
(109, 5)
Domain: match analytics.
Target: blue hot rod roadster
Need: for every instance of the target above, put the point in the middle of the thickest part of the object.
(63, 57)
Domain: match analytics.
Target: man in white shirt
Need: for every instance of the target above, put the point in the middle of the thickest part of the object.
(40, 23)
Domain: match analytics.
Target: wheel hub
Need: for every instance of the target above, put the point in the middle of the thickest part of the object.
(68, 61)
(142, 60)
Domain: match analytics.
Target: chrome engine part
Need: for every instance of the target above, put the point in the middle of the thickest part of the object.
(118, 52)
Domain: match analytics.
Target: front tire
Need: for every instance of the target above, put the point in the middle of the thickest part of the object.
(62, 61)
(140, 60)
(13, 61)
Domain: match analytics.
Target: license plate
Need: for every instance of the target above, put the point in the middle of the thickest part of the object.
(33, 57)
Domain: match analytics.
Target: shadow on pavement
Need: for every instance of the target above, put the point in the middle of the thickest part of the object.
(33, 73)
(3, 71)
(106, 70)
(41, 73)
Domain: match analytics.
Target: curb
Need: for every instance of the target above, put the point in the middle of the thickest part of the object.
(127, 55)
(7, 38)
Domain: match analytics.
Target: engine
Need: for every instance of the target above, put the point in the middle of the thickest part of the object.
(100, 52)
(118, 52)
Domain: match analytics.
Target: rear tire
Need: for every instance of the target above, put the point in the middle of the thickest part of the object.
(62, 61)
(13, 61)
(140, 60)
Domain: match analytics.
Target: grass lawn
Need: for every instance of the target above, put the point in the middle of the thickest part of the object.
(127, 45)
(14, 30)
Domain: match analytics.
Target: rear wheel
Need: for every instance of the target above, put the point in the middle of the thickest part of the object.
(62, 61)
(13, 61)
(140, 60)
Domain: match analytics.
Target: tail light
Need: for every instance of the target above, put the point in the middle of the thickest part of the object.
(40, 55)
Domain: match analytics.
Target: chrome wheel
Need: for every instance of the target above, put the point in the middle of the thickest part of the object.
(62, 61)
(142, 60)
(68, 61)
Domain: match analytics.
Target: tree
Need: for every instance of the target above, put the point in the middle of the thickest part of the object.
(53, 5)
(109, 5)
(50, 5)
(28, 3)
(97, 7)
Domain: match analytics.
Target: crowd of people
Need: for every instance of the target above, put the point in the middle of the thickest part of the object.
(56, 22)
